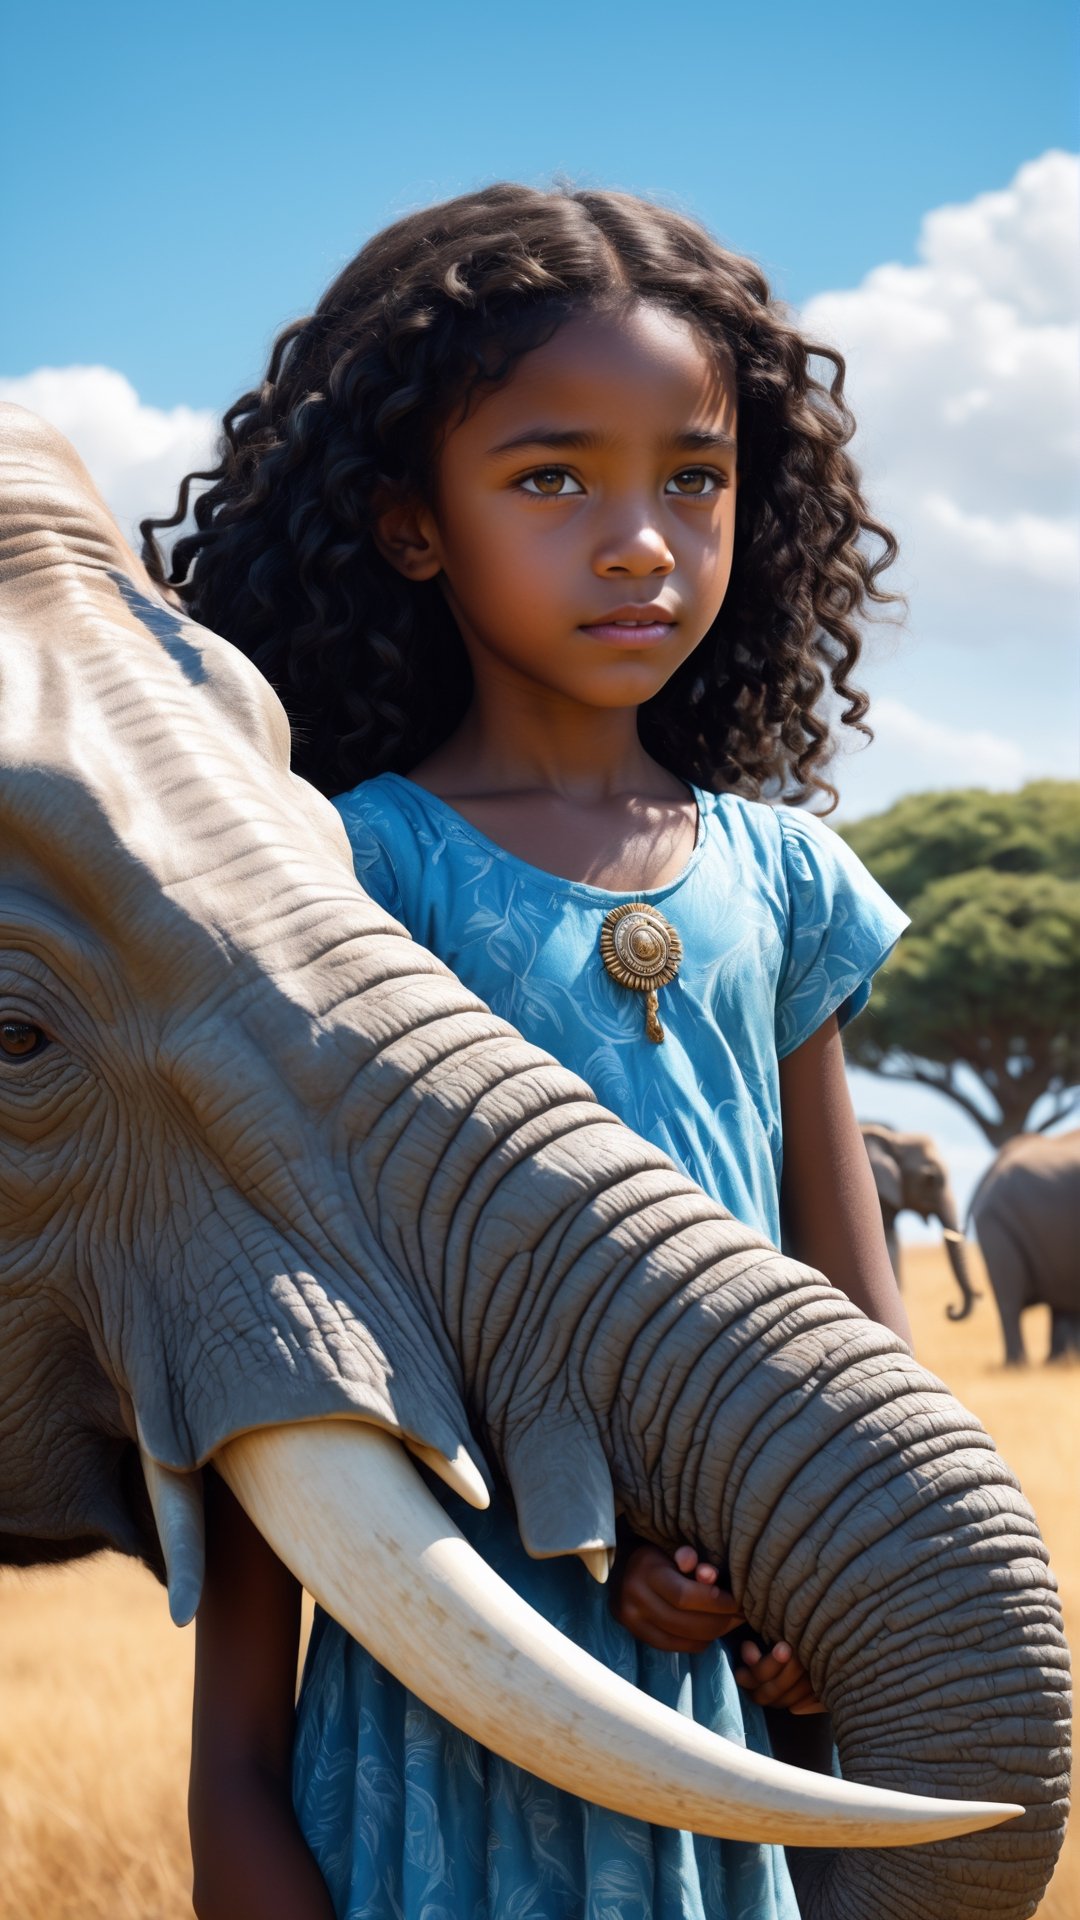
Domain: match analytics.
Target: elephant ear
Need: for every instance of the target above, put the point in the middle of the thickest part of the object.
(886, 1172)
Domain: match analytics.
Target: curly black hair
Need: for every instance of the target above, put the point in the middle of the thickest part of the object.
(370, 666)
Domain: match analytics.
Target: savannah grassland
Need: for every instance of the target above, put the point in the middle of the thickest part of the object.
(95, 1683)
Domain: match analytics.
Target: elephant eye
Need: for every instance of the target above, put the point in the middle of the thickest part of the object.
(20, 1039)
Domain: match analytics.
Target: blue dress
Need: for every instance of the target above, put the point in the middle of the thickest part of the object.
(781, 926)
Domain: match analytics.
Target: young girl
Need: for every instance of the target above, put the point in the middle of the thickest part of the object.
(544, 529)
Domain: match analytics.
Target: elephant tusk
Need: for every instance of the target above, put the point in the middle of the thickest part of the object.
(343, 1508)
(460, 1474)
(598, 1560)
(177, 1502)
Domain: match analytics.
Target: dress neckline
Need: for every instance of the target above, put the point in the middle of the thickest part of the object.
(541, 875)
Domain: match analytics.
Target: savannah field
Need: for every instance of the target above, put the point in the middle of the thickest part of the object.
(95, 1683)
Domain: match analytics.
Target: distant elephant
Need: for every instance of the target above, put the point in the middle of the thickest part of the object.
(1026, 1212)
(910, 1175)
(270, 1178)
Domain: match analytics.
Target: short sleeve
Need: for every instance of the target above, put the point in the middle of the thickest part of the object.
(841, 927)
(371, 861)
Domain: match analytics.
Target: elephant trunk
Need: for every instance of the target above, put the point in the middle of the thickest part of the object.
(341, 1504)
(867, 1520)
(957, 1250)
(639, 1344)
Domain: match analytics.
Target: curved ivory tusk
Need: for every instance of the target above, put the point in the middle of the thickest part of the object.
(598, 1560)
(177, 1501)
(341, 1505)
(460, 1474)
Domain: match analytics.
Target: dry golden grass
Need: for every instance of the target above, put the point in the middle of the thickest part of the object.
(1033, 1415)
(95, 1683)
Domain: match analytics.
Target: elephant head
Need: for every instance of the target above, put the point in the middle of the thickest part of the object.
(271, 1178)
(909, 1173)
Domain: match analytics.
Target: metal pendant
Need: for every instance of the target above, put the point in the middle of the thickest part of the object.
(641, 950)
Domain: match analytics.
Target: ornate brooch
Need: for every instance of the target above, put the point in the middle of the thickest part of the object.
(641, 950)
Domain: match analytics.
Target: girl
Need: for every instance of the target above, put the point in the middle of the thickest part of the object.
(544, 529)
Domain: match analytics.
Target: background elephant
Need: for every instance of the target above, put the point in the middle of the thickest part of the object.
(910, 1173)
(270, 1177)
(1026, 1212)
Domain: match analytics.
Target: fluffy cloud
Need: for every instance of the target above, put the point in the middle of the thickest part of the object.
(964, 372)
(912, 751)
(136, 454)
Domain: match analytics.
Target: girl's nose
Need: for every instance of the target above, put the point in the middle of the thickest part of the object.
(635, 552)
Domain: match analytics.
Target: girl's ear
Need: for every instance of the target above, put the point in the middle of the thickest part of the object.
(406, 535)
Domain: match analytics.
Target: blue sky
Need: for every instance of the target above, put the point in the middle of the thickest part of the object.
(186, 179)
(180, 183)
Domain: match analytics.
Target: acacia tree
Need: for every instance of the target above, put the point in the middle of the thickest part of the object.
(987, 977)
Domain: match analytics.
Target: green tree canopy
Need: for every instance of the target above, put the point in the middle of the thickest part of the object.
(988, 975)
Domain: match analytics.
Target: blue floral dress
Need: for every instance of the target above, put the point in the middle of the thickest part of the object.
(781, 926)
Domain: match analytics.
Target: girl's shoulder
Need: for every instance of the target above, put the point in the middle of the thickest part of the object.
(836, 924)
(382, 801)
(794, 846)
(408, 846)
(386, 794)
(382, 819)
(765, 841)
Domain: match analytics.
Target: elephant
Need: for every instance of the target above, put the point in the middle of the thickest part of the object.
(278, 1193)
(1026, 1214)
(910, 1173)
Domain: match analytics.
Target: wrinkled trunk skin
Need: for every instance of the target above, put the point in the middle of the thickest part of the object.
(445, 1231)
(909, 1574)
(636, 1337)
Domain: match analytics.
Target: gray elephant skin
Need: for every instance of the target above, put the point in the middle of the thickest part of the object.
(272, 1163)
(1026, 1214)
(910, 1175)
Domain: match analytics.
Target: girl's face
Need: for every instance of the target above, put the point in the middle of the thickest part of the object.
(584, 511)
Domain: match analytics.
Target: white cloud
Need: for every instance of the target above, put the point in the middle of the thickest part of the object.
(911, 751)
(1037, 549)
(136, 454)
(964, 375)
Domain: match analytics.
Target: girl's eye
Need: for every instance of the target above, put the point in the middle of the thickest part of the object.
(696, 481)
(20, 1038)
(553, 483)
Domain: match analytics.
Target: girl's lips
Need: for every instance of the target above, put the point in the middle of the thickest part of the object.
(630, 633)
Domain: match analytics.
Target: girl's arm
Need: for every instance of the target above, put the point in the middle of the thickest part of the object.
(250, 1859)
(829, 1200)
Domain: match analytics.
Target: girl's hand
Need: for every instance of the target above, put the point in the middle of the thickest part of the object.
(675, 1605)
(776, 1679)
